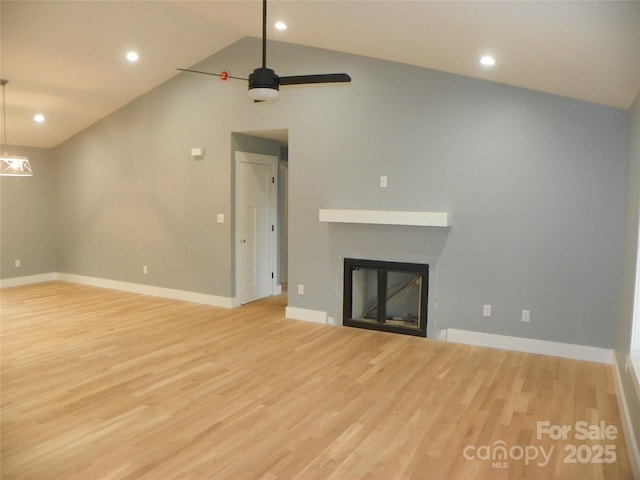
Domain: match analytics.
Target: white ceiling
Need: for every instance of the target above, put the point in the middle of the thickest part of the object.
(66, 59)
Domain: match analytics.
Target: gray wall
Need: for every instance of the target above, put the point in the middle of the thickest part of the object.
(535, 183)
(27, 217)
(632, 219)
(130, 194)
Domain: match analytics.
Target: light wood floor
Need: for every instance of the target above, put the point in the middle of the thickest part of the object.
(100, 384)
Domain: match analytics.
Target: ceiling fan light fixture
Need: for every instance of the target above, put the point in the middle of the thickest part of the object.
(264, 85)
(262, 94)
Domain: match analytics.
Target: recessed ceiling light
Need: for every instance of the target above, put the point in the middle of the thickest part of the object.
(132, 56)
(488, 61)
(281, 25)
(39, 118)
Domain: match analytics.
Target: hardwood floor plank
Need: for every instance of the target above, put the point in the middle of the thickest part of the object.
(100, 384)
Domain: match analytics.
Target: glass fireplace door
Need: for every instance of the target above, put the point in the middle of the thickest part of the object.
(388, 296)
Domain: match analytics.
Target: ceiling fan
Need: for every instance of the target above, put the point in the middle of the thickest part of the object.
(264, 83)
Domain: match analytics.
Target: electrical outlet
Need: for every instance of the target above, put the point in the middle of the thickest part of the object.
(383, 182)
(486, 310)
(300, 289)
(144, 269)
(526, 316)
(17, 263)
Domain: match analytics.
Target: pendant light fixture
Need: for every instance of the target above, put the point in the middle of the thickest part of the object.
(11, 165)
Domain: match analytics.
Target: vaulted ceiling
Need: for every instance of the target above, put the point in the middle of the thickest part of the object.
(66, 59)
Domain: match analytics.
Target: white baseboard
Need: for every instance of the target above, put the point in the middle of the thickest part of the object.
(627, 425)
(182, 295)
(314, 316)
(530, 345)
(28, 280)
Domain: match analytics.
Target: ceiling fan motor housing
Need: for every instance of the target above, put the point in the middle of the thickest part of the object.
(264, 78)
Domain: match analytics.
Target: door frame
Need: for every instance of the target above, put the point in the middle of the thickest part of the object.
(272, 161)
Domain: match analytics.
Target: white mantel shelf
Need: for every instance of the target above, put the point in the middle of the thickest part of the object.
(386, 217)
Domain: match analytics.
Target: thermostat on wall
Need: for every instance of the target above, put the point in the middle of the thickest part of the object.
(197, 152)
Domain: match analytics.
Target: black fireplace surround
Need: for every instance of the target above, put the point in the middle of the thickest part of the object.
(386, 296)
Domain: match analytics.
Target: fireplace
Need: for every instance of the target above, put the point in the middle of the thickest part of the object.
(387, 296)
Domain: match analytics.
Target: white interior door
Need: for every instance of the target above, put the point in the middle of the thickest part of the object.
(256, 222)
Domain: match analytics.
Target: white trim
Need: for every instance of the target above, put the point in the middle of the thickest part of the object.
(182, 295)
(315, 316)
(28, 280)
(171, 293)
(632, 367)
(235, 302)
(530, 345)
(627, 425)
(386, 217)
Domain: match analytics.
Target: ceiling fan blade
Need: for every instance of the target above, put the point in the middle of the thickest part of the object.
(319, 78)
(209, 73)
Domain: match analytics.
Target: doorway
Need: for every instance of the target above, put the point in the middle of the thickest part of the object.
(256, 221)
(261, 201)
